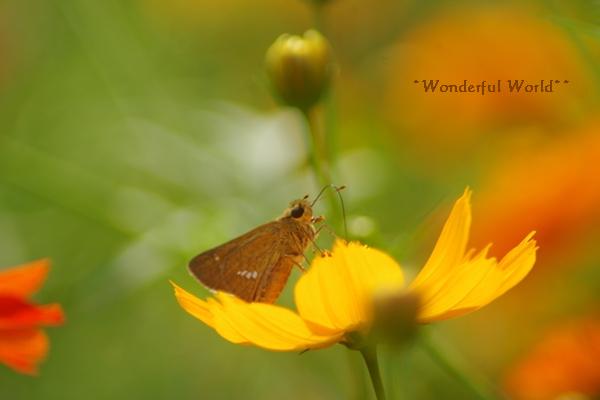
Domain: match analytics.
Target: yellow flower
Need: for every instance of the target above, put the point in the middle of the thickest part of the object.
(335, 297)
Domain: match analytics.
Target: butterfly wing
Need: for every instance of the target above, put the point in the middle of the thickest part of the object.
(241, 265)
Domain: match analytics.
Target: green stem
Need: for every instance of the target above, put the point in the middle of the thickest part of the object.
(318, 155)
(327, 102)
(370, 356)
(359, 389)
(317, 151)
(445, 361)
(319, 16)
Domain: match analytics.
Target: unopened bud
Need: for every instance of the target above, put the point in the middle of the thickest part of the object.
(300, 68)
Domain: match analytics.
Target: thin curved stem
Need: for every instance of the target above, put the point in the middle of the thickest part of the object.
(370, 356)
(476, 386)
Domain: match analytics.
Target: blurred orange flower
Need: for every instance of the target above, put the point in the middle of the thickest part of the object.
(553, 188)
(22, 343)
(477, 44)
(565, 361)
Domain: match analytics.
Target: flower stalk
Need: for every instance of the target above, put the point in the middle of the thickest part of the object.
(318, 10)
(318, 151)
(369, 354)
(318, 154)
(444, 360)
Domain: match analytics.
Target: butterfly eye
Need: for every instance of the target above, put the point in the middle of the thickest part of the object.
(297, 212)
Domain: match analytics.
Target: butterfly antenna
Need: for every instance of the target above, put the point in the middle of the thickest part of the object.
(321, 193)
(338, 189)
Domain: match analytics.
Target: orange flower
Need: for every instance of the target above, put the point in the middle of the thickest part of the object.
(565, 361)
(554, 188)
(487, 43)
(22, 343)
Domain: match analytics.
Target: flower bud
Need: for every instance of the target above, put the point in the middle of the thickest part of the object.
(299, 68)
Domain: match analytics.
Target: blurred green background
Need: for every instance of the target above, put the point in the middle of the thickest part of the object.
(136, 134)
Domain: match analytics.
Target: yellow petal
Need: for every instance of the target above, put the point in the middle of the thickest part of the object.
(477, 282)
(445, 292)
(450, 248)
(207, 312)
(264, 325)
(193, 305)
(517, 263)
(336, 293)
(272, 327)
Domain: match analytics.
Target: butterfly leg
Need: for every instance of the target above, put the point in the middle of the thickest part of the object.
(297, 264)
(317, 219)
(306, 259)
(296, 260)
(315, 246)
(328, 229)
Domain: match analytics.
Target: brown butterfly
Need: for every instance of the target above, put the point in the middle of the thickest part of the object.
(256, 266)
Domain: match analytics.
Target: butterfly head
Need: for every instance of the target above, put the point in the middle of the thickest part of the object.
(300, 210)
